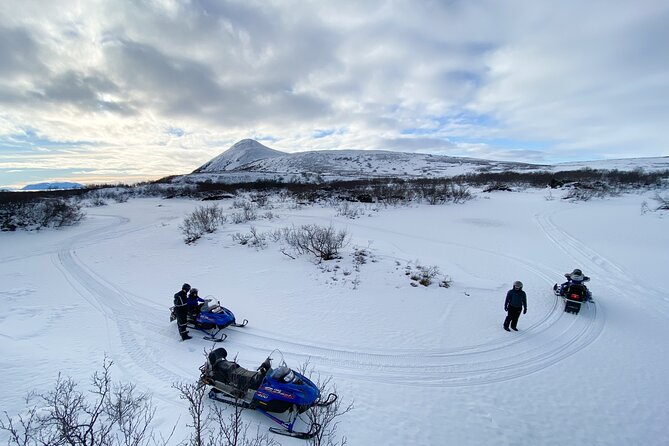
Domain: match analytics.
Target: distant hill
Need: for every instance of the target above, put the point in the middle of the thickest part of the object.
(248, 161)
(53, 186)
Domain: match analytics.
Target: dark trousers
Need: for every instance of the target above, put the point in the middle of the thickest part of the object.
(512, 317)
(182, 320)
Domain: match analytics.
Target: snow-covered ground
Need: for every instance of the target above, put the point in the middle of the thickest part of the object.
(423, 366)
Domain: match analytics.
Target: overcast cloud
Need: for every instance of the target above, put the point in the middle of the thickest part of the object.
(140, 89)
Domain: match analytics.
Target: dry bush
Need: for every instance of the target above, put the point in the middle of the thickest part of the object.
(204, 220)
(44, 213)
(323, 242)
(109, 414)
(662, 202)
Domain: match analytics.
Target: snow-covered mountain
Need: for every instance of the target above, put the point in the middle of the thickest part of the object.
(240, 154)
(248, 160)
(53, 186)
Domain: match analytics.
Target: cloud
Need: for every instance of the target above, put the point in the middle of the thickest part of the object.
(564, 81)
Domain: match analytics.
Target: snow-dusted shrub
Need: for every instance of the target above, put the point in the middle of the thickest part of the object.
(326, 417)
(360, 258)
(253, 238)
(588, 191)
(247, 211)
(45, 213)
(323, 242)
(443, 193)
(261, 200)
(269, 215)
(662, 202)
(96, 200)
(346, 209)
(222, 425)
(58, 212)
(497, 186)
(425, 275)
(459, 193)
(112, 414)
(204, 220)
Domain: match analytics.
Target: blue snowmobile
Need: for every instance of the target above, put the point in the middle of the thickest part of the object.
(211, 320)
(267, 390)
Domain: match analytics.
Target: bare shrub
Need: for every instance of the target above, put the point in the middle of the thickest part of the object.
(346, 209)
(425, 275)
(360, 258)
(44, 213)
(204, 220)
(253, 238)
(117, 415)
(588, 191)
(261, 200)
(247, 212)
(58, 212)
(497, 186)
(96, 199)
(323, 242)
(663, 202)
(216, 427)
(435, 193)
(325, 417)
(459, 193)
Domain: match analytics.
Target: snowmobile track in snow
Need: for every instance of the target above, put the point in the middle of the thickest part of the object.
(506, 358)
(121, 312)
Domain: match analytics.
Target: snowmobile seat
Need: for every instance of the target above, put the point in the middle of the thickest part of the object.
(233, 374)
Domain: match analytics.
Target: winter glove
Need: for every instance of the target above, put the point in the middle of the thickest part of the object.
(506, 308)
(524, 310)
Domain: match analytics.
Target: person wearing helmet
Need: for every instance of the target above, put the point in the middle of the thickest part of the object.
(181, 311)
(576, 277)
(194, 303)
(516, 301)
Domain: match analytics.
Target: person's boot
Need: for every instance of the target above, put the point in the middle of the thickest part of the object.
(514, 329)
(506, 328)
(186, 337)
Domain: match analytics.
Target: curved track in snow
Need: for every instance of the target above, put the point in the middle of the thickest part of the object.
(551, 338)
(122, 310)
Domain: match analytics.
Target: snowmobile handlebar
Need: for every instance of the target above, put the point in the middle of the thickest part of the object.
(332, 397)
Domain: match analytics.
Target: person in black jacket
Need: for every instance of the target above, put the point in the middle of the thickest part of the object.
(516, 301)
(181, 311)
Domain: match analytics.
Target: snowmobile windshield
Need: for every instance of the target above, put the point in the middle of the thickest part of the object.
(284, 374)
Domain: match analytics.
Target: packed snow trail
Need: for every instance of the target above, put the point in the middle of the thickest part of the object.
(547, 341)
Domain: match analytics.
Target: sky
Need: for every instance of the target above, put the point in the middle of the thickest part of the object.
(101, 91)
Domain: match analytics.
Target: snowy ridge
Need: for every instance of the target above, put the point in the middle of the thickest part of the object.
(248, 160)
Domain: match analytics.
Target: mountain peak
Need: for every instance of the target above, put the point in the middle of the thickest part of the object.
(242, 152)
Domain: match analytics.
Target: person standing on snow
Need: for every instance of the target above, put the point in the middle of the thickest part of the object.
(181, 311)
(516, 301)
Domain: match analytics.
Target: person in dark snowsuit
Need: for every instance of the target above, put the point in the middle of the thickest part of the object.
(516, 301)
(181, 311)
(577, 278)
